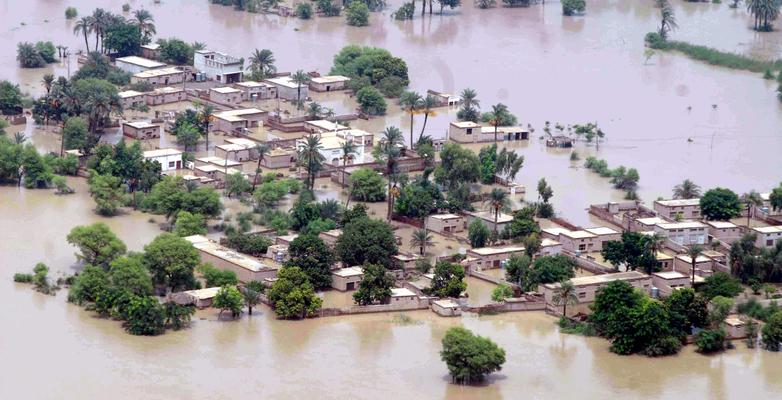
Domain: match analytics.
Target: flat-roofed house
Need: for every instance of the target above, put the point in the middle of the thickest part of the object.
(235, 152)
(201, 298)
(603, 234)
(218, 66)
(160, 77)
(330, 237)
(447, 223)
(135, 64)
(131, 98)
(684, 233)
(403, 298)
(446, 308)
(404, 261)
(678, 209)
(704, 266)
(549, 247)
(577, 241)
(169, 159)
(238, 120)
(165, 95)
(141, 130)
(664, 261)
(279, 157)
(150, 51)
(277, 252)
(767, 236)
(646, 224)
(288, 89)
(464, 132)
(252, 91)
(725, 231)
(504, 133)
(668, 281)
(587, 287)
(322, 125)
(246, 268)
(766, 209)
(347, 279)
(487, 217)
(331, 144)
(225, 95)
(329, 83)
(285, 239)
(492, 257)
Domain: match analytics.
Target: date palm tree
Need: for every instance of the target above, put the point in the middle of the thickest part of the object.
(499, 116)
(410, 102)
(751, 200)
(497, 201)
(427, 105)
(99, 25)
(47, 82)
(205, 117)
(145, 23)
(300, 78)
(565, 295)
(694, 251)
(388, 153)
(314, 109)
(470, 98)
(262, 63)
(348, 147)
(84, 27)
(686, 190)
(667, 18)
(263, 150)
(421, 239)
(311, 158)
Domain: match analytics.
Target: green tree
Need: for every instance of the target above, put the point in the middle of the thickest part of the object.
(304, 10)
(667, 18)
(97, 244)
(366, 241)
(634, 251)
(178, 316)
(187, 135)
(368, 66)
(458, 165)
(228, 298)
(421, 239)
(687, 310)
(292, 295)
(498, 201)
(720, 204)
(686, 190)
(565, 295)
(129, 275)
(517, 270)
(470, 357)
(775, 198)
(357, 14)
(145, 316)
(171, 261)
(312, 256)
(710, 340)
(309, 155)
(188, 224)
(236, 184)
(426, 108)
(522, 225)
(375, 286)
(573, 7)
(550, 269)
(88, 284)
(499, 116)
(75, 135)
(367, 185)
(10, 98)
(28, 56)
(411, 102)
(145, 24)
(107, 192)
(501, 292)
(478, 233)
(214, 277)
(369, 99)
(448, 280)
(84, 27)
(124, 39)
(262, 150)
(772, 332)
(720, 284)
(301, 79)
(175, 51)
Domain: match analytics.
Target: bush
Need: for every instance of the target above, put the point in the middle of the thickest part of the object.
(367, 185)
(304, 10)
(254, 245)
(720, 284)
(470, 357)
(655, 40)
(357, 14)
(501, 292)
(710, 340)
(145, 316)
(478, 233)
(566, 325)
(391, 86)
(216, 277)
(772, 332)
(229, 298)
(23, 278)
(126, 7)
(404, 12)
(371, 101)
(71, 13)
(572, 7)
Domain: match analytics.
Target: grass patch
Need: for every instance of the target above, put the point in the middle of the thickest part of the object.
(575, 327)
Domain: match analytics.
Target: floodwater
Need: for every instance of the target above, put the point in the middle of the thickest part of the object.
(545, 67)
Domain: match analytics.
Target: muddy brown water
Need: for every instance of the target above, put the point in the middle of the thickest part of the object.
(545, 67)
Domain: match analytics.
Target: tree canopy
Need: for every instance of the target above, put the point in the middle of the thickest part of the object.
(470, 357)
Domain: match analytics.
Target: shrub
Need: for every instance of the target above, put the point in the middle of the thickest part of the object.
(71, 13)
(501, 293)
(304, 10)
(404, 12)
(367, 185)
(470, 357)
(357, 14)
(572, 7)
(23, 278)
(371, 101)
(710, 340)
(772, 332)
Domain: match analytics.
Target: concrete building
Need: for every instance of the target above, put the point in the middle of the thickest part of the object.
(492, 257)
(252, 91)
(135, 64)
(329, 83)
(444, 99)
(225, 95)
(587, 287)
(664, 261)
(403, 298)
(704, 266)
(280, 158)
(684, 233)
(150, 51)
(446, 223)
(330, 237)
(200, 298)
(487, 217)
(218, 66)
(131, 98)
(285, 239)
(165, 95)
(238, 120)
(646, 224)
(766, 209)
(169, 159)
(464, 132)
(724, 231)
(141, 130)
(160, 77)
(470, 132)
(405, 262)
(504, 133)
(767, 236)
(288, 89)
(347, 279)
(668, 281)
(246, 268)
(549, 247)
(446, 308)
(277, 252)
(331, 147)
(322, 125)
(234, 152)
(736, 327)
(678, 209)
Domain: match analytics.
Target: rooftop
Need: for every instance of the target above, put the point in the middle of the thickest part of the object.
(651, 221)
(698, 260)
(679, 202)
(285, 81)
(577, 234)
(682, 225)
(251, 84)
(237, 115)
(166, 90)
(768, 229)
(242, 141)
(546, 242)
(203, 294)
(445, 216)
(152, 73)
(722, 224)
(129, 93)
(502, 218)
(332, 233)
(670, 275)
(502, 129)
(162, 153)
(225, 90)
(401, 292)
(348, 272)
(141, 62)
(601, 230)
(487, 251)
(406, 257)
(446, 303)
(601, 279)
(465, 124)
(207, 246)
(327, 125)
(142, 124)
(330, 79)
(555, 231)
(150, 46)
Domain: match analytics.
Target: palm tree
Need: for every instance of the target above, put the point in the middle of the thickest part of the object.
(348, 147)
(145, 23)
(411, 101)
(694, 251)
(388, 152)
(47, 81)
(84, 27)
(655, 241)
(262, 63)
(427, 104)
(499, 116)
(508, 164)
(300, 78)
(205, 117)
(686, 190)
(262, 150)
(99, 24)
(470, 98)
(421, 239)
(498, 200)
(314, 109)
(19, 138)
(309, 155)
(667, 18)
(565, 294)
(752, 200)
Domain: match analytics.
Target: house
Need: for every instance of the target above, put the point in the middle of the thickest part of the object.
(549, 247)
(288, 89)
(645, 224)
(234, 152)
(582, 241)
(322, 125)
(217, 162)
(446, 308)
(492, 257)
(280, 157)
(132, 99)
(141, 130)
(403, 298)
(225, 95)
(165, 95)
(444, 99)
(704, 266)
(169, 159)
(664, 261)
(668, 281)
(684, 233)
(736, 327)
(285, 239)
(246, 268)
(587, 287)
(577, 241)
(446, 223)
(207, 171)
(767, 236)
(559, 141)
(329, 83)
(218, 66)
(200, 298)
(347, 279)
(160, 77)
(79, 156)
(135, 64)
(509, 133)
(253, 91)
(487, 217)
(237, 121)
(405, 262)
(603, 234)
(464, 131)
(678, 209)
(331, 147)
(200, 180)
(330, 237)
(277, 252)
(725, 231)
(150, 51)
(766, 209)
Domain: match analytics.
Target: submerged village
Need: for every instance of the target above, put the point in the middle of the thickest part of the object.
(286, 193)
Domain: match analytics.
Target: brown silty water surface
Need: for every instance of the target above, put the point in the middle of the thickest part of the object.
(545, 67)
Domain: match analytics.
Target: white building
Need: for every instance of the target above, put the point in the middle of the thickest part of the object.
(331, 147)
(684, 233)
(135, 64)
(288, 89)
(329, 83)
(767, 236)
(169, 159)
(218, 66)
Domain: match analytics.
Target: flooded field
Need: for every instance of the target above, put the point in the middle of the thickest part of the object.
(544, 67)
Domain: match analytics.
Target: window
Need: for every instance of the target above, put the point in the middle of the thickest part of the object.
(469, 131)
(171, 164)
(581, 247)
(769, 242)
(582, 295)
